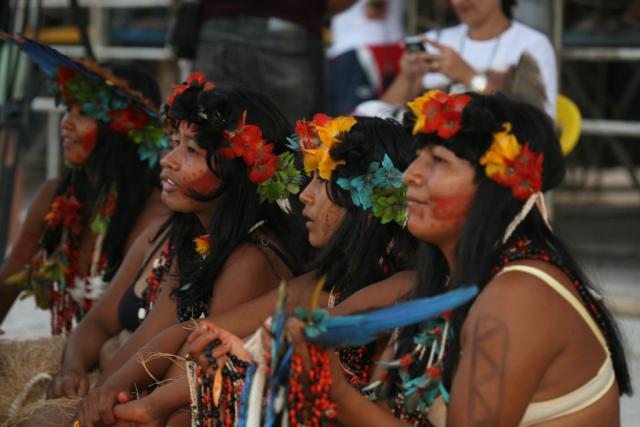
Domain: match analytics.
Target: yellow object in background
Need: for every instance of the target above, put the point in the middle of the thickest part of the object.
(570, 120)
(68, 34)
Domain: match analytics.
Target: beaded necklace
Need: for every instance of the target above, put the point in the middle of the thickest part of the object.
(161, 266)
(53, 278)
(356, 362)
(413, 407)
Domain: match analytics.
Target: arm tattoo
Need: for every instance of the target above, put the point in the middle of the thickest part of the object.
(489, 350)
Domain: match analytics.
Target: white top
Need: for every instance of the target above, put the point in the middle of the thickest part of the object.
(352, 28)
(498, 54)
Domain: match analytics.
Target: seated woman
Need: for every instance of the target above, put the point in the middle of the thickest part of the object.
(363, 250)
(537, 346)
(79, 226)
(250, 246)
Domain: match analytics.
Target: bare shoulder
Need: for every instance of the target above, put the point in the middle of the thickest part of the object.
(524, 303)
(380, 294)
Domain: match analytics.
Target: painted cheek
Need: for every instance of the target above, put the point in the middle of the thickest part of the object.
(204, 182)
(451, 208)
(90, 138)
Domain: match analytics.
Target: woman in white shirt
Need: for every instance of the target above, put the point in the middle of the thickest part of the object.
(483, 53)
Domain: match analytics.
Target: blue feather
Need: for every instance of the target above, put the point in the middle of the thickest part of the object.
(49, 59)
(360, 329)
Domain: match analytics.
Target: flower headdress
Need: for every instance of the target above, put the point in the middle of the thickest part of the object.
(438, 112)
(507, 161)
(109, 99)
(100, 94)
(380, 188)
(275, 175)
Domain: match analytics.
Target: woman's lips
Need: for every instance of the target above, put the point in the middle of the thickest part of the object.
(168, 185)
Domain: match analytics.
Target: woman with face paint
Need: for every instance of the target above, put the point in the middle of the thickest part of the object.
(362, 250)
(537, 346)
(220, 177)
(79, 226)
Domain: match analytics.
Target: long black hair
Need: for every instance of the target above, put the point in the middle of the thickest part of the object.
(363, 250)
(494, 207)
(113, 161)
(238, 206)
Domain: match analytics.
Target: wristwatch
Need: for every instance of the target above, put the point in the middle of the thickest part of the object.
(479, 83)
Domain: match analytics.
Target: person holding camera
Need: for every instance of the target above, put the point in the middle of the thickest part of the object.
(487, 52)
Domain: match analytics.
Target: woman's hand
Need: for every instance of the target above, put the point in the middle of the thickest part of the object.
(413, 65)
(68, 383)
(208, 337)
(449, 63)
(339, 383)
(96, 409)
(138, 413)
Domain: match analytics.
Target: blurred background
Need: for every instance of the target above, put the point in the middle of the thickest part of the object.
(597, 44)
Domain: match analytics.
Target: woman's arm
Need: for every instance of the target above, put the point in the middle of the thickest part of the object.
(510, 337)
(26, 245)
(99, 325)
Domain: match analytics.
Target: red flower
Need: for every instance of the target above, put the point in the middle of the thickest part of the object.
(128, 119)
(457, 102)
(434, 372)
(65, 73)
(263, 168)
(307, 134)
(195, 79)
(432, 110)
(244, 142)
(448, 123)
(64, 210)
(321, 119)
(523, 174)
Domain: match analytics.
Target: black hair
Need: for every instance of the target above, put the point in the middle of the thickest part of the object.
(492, 208)
(363, 250)
(507, 7)
(113, 161)
(238, 206)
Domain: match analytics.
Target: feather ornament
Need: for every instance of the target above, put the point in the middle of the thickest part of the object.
(360, 329)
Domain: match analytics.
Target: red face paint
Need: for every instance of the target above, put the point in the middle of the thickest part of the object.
(451, 208)
(202, 183)
(89, 139)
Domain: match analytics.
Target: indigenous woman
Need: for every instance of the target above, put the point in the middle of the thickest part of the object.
(363, 252)
(206, 187)
(230, 170)
(79, 227)
(537, 346)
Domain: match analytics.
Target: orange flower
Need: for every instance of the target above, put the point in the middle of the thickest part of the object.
(513, 165)
(202, 244)
(436, 111)
(196, 78)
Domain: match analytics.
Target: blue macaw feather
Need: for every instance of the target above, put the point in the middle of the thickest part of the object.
(49, 59)
(279, 379)
(244, 397)
(360, 329)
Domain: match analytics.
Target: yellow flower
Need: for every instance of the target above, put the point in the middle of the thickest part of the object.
(505, 146)
(312, 158)
(335, 127)
(327, 165)
(417, 108)
(202, 244)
